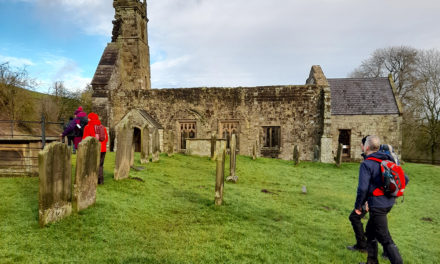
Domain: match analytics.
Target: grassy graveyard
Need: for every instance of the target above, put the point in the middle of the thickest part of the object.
(166, 214)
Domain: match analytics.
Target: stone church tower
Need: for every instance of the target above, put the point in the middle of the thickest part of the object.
(125, 63)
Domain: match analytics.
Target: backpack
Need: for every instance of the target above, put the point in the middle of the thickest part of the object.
(100, 133)
(79, 127)
(393, 179)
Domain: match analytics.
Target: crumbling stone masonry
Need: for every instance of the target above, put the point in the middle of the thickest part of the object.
(277, 117)
(55, 194)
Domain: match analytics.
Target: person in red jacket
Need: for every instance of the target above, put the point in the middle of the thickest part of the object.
(90, 131)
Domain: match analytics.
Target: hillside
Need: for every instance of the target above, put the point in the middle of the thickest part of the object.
(167, 215)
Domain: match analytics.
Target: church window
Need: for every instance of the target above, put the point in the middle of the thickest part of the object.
(227, 129)
(187, 130)
(271, 137)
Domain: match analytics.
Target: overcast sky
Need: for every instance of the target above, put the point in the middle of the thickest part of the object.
(197, 43)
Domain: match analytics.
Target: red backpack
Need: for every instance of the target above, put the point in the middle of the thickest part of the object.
(100, 133)
(393, 179)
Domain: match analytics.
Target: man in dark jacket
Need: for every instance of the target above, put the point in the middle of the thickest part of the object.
(379, 206)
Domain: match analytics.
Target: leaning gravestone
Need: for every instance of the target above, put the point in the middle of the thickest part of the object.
(156, 145)
(295, 155)
(145, 145)
(124, 144)
(220, 175)
(338, 158)
(233, 160)
(55, 194)
(86, 174)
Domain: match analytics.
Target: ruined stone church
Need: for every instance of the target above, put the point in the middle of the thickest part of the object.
(322, 112)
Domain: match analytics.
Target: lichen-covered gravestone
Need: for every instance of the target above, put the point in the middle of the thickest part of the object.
(156, 145)
(55, 194)
(254, 150)
(124, 144)
(86, 174)
(233, 159)
(170, 151)
(338, 158)
(220, 175)
(213, 145)
(145, 145)
(316, 154)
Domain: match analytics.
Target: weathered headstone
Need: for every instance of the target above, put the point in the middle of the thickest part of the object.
(86, 173)
(295, 155)
(156, 145)
(170, 150)
(133, 147)
(124, 151)
(232, 161)
(213, 145)
(220, 175)
(55, 194)
(316, 153)
(254, 150)
(145, 145)
(338, 158)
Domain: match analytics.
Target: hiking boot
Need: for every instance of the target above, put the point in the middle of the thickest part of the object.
(357, 248)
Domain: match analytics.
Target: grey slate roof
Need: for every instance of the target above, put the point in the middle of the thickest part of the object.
(362, 96)
(106, 65)
(150, 119)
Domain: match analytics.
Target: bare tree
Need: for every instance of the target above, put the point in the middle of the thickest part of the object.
(17, 101)
(400, 62)
(428, 99)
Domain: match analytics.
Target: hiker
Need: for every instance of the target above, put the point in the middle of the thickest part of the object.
(95, 129)
(76, 126)
(356, 221)
(388, 149)
(70, 136)
(370, 179)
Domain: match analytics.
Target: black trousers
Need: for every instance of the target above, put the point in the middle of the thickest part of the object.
(377, 230)
(101, 169)
(358, 228)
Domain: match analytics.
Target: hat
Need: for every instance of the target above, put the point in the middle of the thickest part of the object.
(364, 139)
(80, 109)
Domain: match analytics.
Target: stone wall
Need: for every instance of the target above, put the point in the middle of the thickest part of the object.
(295, 109)
(387, 127)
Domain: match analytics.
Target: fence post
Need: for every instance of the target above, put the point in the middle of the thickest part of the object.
(12, 128)
(43, 131)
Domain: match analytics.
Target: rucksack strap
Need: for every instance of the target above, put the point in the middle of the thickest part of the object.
(375, 159)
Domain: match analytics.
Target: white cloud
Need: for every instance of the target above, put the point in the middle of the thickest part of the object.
(16, 62)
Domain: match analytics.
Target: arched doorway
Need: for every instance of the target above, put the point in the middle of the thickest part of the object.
(137, 139)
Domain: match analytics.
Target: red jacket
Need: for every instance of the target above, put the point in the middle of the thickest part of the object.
(89, 130)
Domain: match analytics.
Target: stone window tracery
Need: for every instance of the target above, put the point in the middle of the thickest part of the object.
(188, 129)
(227, 129)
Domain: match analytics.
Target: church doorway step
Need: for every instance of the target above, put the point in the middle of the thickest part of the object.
(345, 139)
(137, 139)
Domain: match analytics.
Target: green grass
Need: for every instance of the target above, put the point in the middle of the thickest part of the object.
(171, 216)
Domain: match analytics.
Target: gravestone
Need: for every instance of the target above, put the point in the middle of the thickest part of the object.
(213, 145)
(55, 187)
(338, 158)
(220, 175)
(295, 155)
(145, 145)
(124, 150)
(254, 150)
(156, 145)
(316, 154)
(170, 150)
(233, 159)
(86, 173)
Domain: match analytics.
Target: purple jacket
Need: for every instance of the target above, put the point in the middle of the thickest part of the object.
(72, 125)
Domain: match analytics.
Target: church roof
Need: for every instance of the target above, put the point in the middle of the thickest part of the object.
(362, 96)
(106, 65)
(150, 119)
